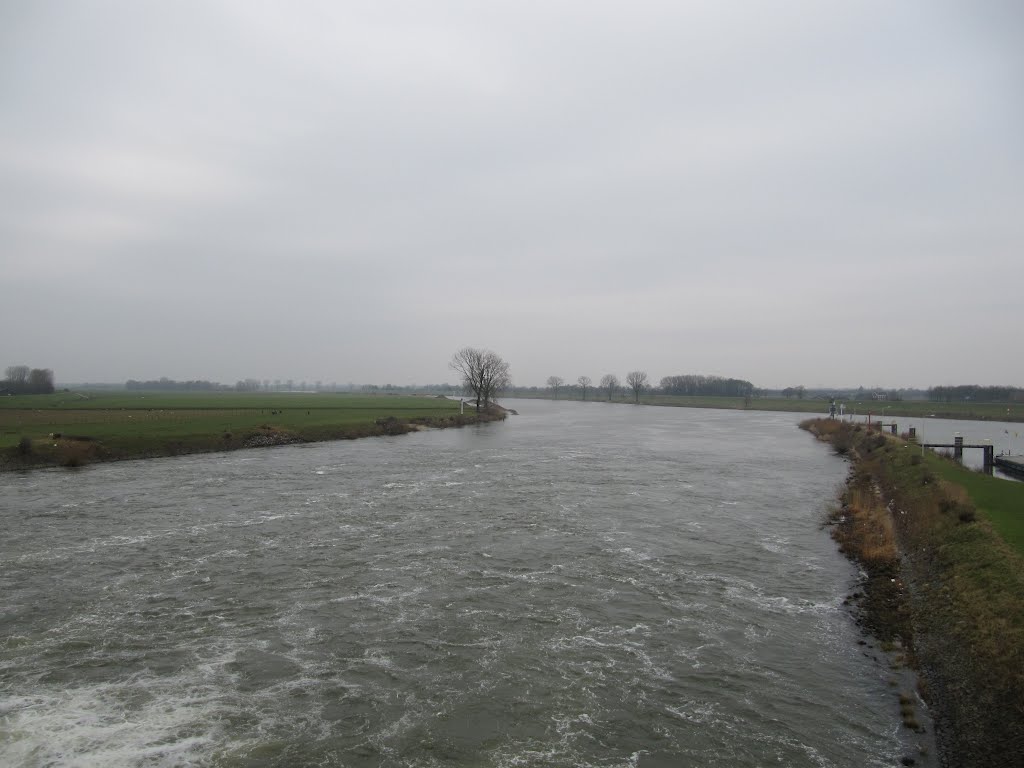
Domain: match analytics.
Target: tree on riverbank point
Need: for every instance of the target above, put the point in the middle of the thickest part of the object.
(554, 382)
(584, 382)
(637, 381)
(484, 374)
(610, 384)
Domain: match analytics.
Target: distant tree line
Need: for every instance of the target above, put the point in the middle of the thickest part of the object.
(488, 373)
(609, 386)
(705, 386)
(164, 384)
(441, 389)
(976, 393)
(22, 380)
(854, 394)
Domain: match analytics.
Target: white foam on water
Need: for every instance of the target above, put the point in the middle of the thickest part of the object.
(224, 554)
(752, 595)
(96, 726)
(775, 544)
(377, 657)
(700, 712)
(652, 669)
(380, 594)
(573, 748)
(632, 554)
(755, 634)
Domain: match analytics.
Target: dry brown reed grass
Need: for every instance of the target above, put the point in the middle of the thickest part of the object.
(869, 537)
(72, 453)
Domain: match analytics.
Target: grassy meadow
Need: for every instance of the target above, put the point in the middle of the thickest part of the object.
(78, 427)
(1000, 501)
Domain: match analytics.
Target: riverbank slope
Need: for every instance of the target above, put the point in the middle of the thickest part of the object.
(941, 579)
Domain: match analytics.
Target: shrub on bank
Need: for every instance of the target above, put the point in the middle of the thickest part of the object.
(73, 453)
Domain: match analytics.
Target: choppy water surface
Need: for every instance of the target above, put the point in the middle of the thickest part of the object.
(584, 584)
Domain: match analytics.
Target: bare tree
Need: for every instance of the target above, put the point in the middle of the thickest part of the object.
(610, 383)
(484, 374)
(637, 381)
(554, 382)
(17, 375)
(40, 381)
(584, 382)
(24, 381)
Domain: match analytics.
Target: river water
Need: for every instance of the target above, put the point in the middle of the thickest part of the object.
(583, 585)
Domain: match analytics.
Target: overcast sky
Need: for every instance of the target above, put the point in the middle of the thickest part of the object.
(787, 192)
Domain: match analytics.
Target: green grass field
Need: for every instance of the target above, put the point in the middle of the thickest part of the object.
(126, 424)
(998, 499)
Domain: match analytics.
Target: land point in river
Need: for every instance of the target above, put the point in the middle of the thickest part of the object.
(73, 428)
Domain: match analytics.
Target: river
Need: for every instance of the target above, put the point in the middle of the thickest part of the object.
(583, 585)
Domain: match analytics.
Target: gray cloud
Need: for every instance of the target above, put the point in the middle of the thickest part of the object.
(787, 192)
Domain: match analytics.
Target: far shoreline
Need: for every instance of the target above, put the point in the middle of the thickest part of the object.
(880, 410)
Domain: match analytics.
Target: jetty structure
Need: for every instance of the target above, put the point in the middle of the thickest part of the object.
(958, 446)
(1013, 465)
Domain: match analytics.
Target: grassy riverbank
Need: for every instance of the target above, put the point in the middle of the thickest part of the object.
(880, 409)
(944, 557)
(73, 428)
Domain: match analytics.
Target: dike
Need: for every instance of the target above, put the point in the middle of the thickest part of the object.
(941, 583)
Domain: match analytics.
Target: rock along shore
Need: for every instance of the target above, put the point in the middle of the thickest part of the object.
(941, 583)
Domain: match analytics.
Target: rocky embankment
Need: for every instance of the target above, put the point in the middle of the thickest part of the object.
(941, 583)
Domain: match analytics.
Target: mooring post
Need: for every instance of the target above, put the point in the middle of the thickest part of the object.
(958, 447)
(913, 434)
(893, 427)
(990, 458)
